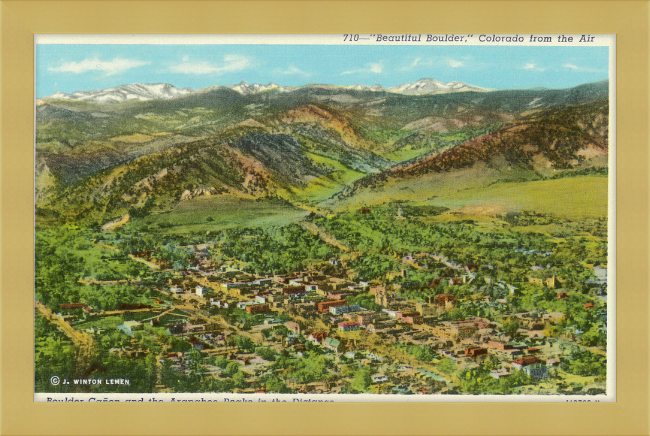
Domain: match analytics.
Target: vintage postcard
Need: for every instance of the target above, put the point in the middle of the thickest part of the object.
(417, 217)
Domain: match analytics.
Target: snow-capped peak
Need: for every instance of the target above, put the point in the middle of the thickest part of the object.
(58, 95)
(135, 91)
(422, 86)
(366, 87)
(244, 87)
(154, 91)
(433, 86)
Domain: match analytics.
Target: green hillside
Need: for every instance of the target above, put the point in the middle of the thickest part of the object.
(544, 144)
(316, 147)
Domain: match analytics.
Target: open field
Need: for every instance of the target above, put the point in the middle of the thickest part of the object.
(573, 197)
(577, 197)
(216, 213)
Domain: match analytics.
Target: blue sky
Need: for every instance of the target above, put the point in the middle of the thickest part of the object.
(72, 67)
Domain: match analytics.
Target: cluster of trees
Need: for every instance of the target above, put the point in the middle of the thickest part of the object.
(379, 234)
(266, 353)
(592, 322)
(276, 331)
(364, 300)
(479, 381)
(358, 379)
(196, 377)
(314, 366)
(275, 384)
(139, 237)
(110, 297)
(374, 266)
(245, 344)
(195, 381)
(140, 211)
(66, 254)
(420, 352)
(54, 355)
(273, 250)
(178, 258)
(585, 363)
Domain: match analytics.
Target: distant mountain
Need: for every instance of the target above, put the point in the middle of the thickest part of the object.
(160, 91)
(246, 88)
(303, 144)
(163, 91)
(366, 88)
(422, 87)
(433, 86)
(135, 91)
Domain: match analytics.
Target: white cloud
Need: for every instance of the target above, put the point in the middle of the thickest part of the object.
(376, 68)
(582, 69)
(417, 62)
(295, 71)
(455, 64)
(110, 68)
(533, 67)
(230, 63)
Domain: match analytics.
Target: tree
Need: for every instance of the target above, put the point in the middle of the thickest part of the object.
(195, 362)
(447, 366)
(267, 353)
(511, 327)
(239, 380)
(276, 384)
(383, 388)
(361, 380)
(232, 368)
(244, 344)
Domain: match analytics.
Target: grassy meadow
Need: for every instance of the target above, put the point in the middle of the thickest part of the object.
(215, 213)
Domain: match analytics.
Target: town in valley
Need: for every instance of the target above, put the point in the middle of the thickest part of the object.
(427, 238)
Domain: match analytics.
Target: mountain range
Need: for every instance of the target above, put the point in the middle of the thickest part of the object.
(315, 147)
(136, 91)
(142, 92)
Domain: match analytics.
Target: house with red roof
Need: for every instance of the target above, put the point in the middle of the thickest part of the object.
(476, 352)
(317, 338)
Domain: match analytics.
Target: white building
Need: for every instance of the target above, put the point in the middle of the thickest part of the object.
(391, 313)
(339, 310)
(531, 366)
(537, 370)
